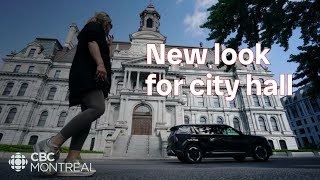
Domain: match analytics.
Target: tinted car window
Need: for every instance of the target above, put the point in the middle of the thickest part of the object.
(230, 131)
(184, 130)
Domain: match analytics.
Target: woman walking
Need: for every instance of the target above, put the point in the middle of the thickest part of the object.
(89, 85)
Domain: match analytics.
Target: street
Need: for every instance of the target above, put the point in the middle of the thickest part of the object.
(275, 168)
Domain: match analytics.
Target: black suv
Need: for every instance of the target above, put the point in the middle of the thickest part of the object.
(191, 143)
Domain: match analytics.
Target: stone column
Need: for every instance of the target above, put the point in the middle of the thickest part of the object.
(138, 79)
(114, 85)
(129, 80)
(125, 79)
(163, 111)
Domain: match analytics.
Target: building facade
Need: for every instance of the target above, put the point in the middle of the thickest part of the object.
(34, 95)
(303, 114)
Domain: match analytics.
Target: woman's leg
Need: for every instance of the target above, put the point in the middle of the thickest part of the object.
(95, 104)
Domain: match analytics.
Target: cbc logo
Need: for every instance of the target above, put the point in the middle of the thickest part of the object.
(42, 156)
(18, 162)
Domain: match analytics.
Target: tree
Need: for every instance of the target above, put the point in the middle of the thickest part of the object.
(234, 22)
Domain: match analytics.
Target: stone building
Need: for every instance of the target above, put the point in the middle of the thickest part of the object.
(303, 114)
(34, 94)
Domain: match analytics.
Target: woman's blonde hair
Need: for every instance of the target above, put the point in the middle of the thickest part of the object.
(100, 17)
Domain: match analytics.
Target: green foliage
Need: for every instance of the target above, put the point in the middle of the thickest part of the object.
(233, 22)
(28, 149)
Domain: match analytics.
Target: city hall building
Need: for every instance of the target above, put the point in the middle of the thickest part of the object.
(34, 97)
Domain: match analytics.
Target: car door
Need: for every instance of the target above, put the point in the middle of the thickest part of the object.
(234, 141)
(216, 139)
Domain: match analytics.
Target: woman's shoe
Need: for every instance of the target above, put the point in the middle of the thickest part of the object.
(76, 167)
(44, 146)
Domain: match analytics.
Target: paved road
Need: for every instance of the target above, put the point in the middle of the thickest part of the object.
(275, 168)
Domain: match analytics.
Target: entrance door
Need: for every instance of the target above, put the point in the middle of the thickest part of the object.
(142, 120)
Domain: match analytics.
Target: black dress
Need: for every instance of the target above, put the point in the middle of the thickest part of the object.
(83, 68)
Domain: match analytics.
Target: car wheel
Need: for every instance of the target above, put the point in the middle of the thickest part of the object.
(239, 157)
(181, 158)
(193, 154)
(260, 153)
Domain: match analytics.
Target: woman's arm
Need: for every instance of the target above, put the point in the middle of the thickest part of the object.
(95, 53)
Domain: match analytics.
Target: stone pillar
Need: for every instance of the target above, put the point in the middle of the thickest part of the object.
(113, 85)
(129, 80)
(125, 79)
(138, 79)
(163, 111)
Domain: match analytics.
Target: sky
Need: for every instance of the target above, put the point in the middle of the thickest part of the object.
(23, 21)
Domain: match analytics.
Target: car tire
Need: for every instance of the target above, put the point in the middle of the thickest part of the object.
(239, 157)
(181, 158)
(193, 154)
(260, 153)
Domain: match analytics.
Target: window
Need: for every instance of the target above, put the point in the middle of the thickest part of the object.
(274, 124)
(230, 131)
(23, 89)
(57, 74)
(62, 119)
(261, 80)
(299, 123)
(30, 69)
(315, 105)
(283, 144)
(302, 131)
(11, 115)
(200, 101)
(262, 124)
(149, 23)
(267, 101)
(43, 118)
(31, 52)
(92, 144)
(0, 109)
(67, 96)
(255, 100)
(219, 120)
(186, 120)
(51, 94)
(1, 135)
(294, 111)
(203, 120)
(305, 121)
(17, 68)
(271, 144)
(33, 140)
(312, 120)
(8, 89)
(116, 113)
(119, 86)
(236, 124)
(301, 111)
(308, 130)
(216, 102)
(232, 103)
(316, 128)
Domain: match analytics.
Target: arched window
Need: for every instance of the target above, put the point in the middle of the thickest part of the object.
(1, 135)
(255, 100)
(219, 120)
(236, 124)
(203, 120)
(267, 101)
(67, 96)
(119, 86)
(33, 140)
(186, 120)
(23, 89)
(274, 124)
(11, 115)
(52, 93)
(8, 89)
(283, 144)
(62, 119)
(116, 113)
(149, 23)
(232, 103)
(92, 144)
(216, 102)
(43, 118)
(262, 124)
(271, 144)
